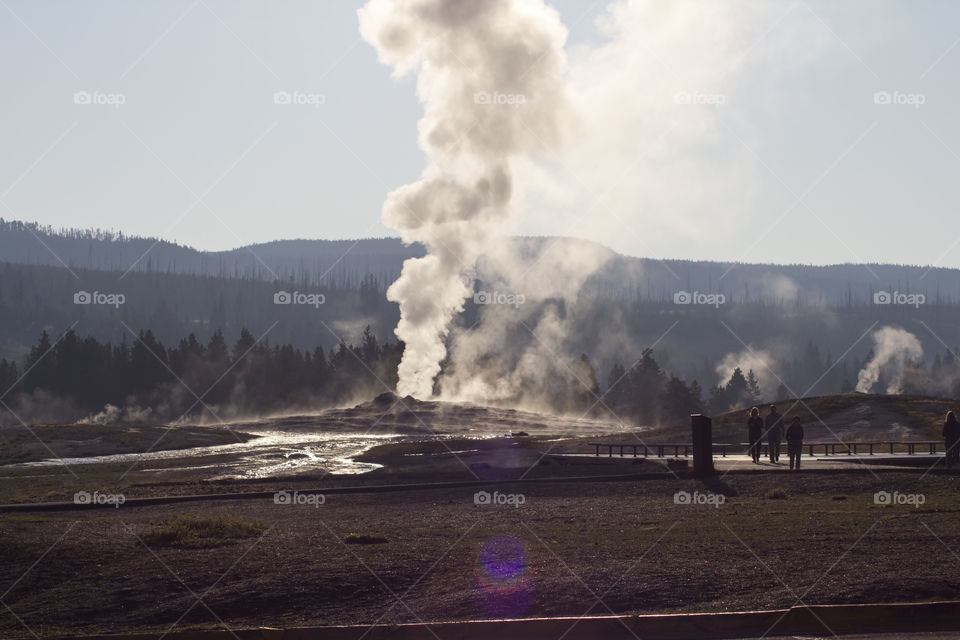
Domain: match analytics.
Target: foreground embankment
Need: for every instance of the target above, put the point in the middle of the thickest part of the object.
(744, 541)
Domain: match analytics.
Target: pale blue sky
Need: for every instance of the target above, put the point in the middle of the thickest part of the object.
(198, 79)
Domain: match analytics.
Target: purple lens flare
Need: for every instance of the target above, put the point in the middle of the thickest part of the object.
(504, 586)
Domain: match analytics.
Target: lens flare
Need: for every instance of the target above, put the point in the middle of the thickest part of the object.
(503, 585)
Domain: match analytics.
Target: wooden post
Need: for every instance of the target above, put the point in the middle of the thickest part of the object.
(702, 427)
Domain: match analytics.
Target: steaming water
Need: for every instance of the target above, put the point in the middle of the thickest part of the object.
(330, 441)
(273, 453)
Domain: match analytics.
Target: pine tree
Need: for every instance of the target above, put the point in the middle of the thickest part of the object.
(39, 366)
(736, 390)
(243, 345)
(782, 393)
(369, 347)
(676, 402)
(718, 402)
(696, 397)
(217, 349)
(614, 396)
(753, 387)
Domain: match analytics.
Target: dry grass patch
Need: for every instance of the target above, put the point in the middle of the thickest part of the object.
(202, 531)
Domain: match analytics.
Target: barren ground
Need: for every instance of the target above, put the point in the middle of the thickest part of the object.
(448, 558)
(567, 548)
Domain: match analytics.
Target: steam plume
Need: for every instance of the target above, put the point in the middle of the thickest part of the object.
(763, 363)
(489, 76)
(894, 350)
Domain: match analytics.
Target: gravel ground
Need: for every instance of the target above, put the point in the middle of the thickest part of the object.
(770, 541)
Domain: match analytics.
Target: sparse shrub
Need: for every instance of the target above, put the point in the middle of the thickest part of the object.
(363, 538)
(777, 493)
(212, 530)
(838, 497)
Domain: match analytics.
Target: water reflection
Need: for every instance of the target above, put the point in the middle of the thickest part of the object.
(270, 454)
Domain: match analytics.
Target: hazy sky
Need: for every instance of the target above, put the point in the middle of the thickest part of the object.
(798, 162)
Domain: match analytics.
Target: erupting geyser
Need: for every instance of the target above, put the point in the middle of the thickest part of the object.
(489, 74)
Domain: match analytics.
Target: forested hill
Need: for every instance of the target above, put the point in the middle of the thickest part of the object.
(812, 325)
(344, 264)
(333, 262)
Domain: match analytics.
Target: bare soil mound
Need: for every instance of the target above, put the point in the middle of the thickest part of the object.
(850, 417)
(389, 412)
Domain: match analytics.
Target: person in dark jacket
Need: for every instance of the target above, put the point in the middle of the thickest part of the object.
(795, 443)
(774, 425)
(754, 433)
(951, 438)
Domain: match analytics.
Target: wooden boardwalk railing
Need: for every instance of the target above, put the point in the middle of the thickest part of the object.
(661, 449)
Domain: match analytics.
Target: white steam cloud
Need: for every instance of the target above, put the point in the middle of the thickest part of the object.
(663, 108)
(762, 362)
(522, 354)
(648, 118)
(894, 350)
(489, 75)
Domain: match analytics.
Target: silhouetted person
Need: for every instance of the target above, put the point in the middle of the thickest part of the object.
(754, 433)
(951, 438)
(795, 443)
(774, 424)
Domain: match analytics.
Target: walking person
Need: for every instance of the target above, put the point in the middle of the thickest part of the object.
(754, 433)
(795, 443)
(774, 425)
(951, 439)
